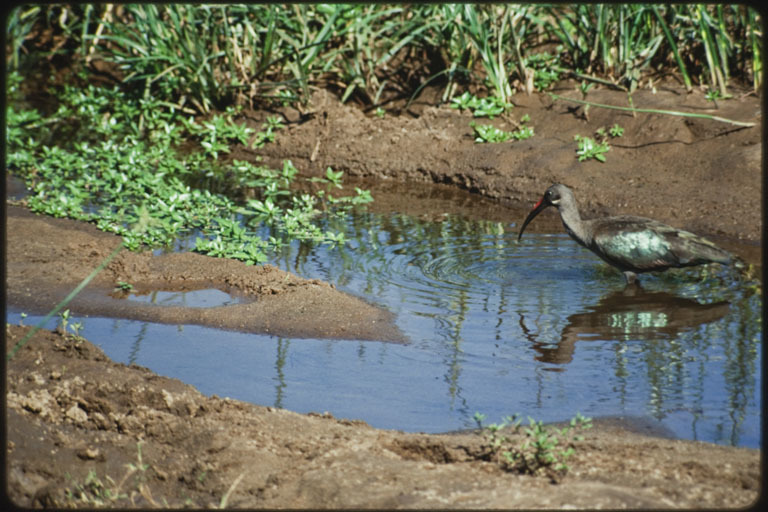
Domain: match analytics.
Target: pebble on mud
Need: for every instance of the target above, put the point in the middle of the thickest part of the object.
(76, 414)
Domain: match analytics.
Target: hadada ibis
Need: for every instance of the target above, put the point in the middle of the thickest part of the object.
(631, 244)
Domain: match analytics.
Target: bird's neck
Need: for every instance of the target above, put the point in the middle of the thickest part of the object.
(573, 224)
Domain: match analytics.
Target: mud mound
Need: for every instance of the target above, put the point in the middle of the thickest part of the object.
(47, 258)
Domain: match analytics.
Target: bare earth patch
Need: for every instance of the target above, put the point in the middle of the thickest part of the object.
(77, 421)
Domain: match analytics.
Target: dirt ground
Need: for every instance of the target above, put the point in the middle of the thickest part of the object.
(696, 174)
(80, 426)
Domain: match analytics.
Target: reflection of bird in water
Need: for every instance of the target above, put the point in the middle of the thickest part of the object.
(626, 315)
(631, 244)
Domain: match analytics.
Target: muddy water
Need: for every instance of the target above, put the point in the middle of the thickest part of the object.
(541, 327)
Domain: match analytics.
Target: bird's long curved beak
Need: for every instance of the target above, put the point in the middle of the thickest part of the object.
(537, 208)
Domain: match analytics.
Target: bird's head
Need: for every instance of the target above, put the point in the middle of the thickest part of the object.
(551, 197)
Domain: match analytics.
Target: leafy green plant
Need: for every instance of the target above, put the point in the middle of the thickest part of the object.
(714, 94)
(123, 286)
(76, 327)
(590, 148)
(543, 450)
(481, 107)
(489, 133)
(546, 70)
(64, 320)
(132, 174)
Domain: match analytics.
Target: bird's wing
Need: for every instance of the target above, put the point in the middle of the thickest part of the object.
(646, 244)
(634, 243)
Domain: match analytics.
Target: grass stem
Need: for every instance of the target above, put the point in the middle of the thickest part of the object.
(654, 111)
(64, 302)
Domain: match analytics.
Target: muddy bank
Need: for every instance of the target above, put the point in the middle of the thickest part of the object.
(71, 411)
(696, 174)
(46, 258)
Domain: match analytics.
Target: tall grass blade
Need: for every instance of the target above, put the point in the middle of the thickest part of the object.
(673, 47)
(64, 302)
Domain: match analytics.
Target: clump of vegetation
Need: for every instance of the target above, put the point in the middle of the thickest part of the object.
(489, 133)
(65, 324)
(546, 70)
(596, 148)
(123, 286)
(544, 450)
(481, 107)
(590, 148)
(94, 491)
(206, 57)
(127, 170)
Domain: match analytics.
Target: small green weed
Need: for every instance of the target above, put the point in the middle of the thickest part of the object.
(481, 107)
(590, 148)
(616, 131)
(598, 147)
(64, 320)
(123, 286)
(714, 94)
(65, 325)
(489, 133)
(544, 450)
(545, 70)
(95, 492)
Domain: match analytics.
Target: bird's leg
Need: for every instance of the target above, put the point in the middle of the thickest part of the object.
(631, 278)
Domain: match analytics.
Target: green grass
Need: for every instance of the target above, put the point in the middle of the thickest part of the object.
(205, 57)
(543, 450)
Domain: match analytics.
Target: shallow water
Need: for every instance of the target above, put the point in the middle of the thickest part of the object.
(541, 328)
(205, 298)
